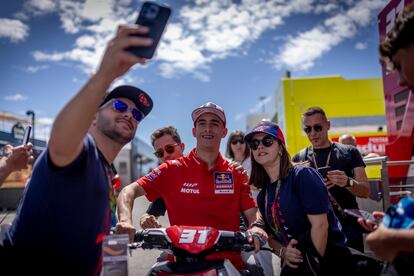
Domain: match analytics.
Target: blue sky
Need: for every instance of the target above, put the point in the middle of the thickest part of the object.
(228, 52)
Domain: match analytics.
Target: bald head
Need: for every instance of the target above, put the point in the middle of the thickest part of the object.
(347, 139)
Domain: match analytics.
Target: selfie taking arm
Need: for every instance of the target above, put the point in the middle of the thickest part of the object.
(74, 119)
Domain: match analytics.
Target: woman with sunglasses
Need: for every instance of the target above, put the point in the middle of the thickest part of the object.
(295, 209)
(237, 150)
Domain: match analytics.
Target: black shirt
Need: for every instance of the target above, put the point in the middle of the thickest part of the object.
(344, 158)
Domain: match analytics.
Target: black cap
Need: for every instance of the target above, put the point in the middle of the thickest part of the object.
(141, 99)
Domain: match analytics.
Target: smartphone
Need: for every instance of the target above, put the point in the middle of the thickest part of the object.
(26, 135)
(362, 214)
(324, 171)
(155, 17)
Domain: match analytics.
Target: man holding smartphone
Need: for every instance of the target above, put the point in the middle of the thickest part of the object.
(346, 178)
(68, 203)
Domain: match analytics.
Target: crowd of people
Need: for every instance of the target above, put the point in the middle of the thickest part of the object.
(297, 205)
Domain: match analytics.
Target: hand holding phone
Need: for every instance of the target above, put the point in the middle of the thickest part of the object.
(324, 171)
(26, 136)
(155, 17)
(362, 214)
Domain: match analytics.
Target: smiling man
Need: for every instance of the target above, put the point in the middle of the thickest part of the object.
(199, 189)
(168, 146)
(346, 178)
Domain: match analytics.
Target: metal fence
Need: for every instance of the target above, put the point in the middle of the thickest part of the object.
(384, 190)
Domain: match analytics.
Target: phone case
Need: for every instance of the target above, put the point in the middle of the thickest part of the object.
(361, 214)
(155, 17)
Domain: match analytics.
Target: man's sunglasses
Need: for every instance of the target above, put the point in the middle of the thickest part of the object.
(317, 128)
(120, 106)
(168, 149)
(235, 141)
(267, 141)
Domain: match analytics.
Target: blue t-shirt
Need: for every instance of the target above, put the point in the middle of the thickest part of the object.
(302, 193)
(64, 212)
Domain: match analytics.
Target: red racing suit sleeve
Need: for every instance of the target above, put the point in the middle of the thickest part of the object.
(246, 199)
(155, 182)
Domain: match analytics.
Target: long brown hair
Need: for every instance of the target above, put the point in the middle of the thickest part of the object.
(259, 176)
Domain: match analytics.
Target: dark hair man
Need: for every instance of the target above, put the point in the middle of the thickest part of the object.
(66, 210)
(168, 146)
(346, 178)
(199, 189)
(397, 48)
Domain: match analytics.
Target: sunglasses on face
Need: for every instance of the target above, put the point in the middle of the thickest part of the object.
(168, 149)
(235, 141)
(267, 141)
(120, 106)
(316, 128)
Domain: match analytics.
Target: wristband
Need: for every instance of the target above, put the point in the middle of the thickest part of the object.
(258, 223)
(257, 235)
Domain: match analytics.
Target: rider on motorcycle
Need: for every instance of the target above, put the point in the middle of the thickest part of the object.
(199, 189)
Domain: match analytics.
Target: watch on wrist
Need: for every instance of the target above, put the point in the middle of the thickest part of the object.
(350, 182)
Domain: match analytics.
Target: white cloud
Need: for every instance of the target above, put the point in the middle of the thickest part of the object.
(13, 29)
(127, 79)
(205, 31)
(15, 97)
(301, 52)
(35, 69)
(39, 7)
(361, 45)
(97, 9)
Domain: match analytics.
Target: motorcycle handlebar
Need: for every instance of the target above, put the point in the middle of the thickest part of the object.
(158, 238)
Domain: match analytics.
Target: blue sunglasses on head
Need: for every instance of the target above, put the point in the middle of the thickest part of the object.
(120, 106)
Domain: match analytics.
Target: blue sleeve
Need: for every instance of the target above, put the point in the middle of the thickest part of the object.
(311, 190)
(79, 161)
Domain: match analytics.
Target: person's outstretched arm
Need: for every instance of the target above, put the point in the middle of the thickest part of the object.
(388, 243)
(73, 121)
(125, 203)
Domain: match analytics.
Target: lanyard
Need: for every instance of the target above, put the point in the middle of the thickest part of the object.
(272, 211)
(327, 159)
(113, 180)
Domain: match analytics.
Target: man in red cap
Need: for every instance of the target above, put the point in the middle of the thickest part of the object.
(66, 208)
(199, 189)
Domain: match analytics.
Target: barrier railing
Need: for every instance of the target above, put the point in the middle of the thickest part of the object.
(386, 188)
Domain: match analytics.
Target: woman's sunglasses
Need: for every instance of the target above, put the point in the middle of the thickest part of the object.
(168, 149)
(235, 141)
(317, 128)
(267, 141)
(120, 106)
